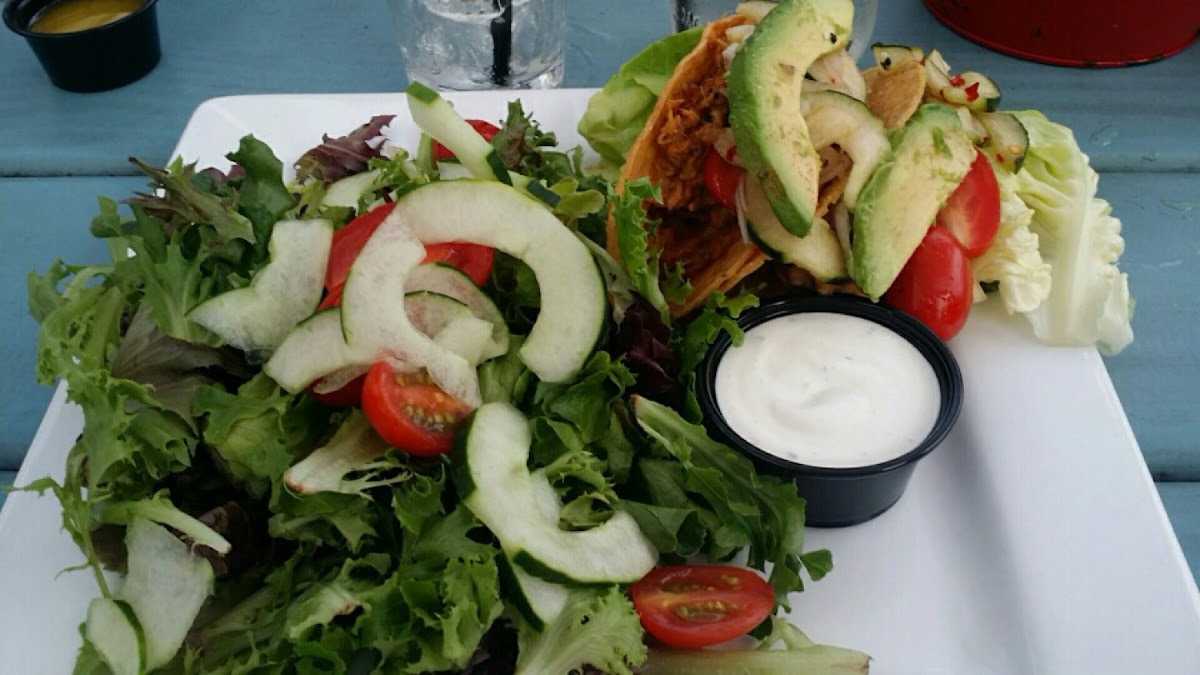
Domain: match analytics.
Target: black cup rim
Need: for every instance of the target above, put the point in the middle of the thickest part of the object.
(935, 351)
(10, 20)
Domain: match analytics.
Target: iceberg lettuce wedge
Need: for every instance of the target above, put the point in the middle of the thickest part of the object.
(1089, 300)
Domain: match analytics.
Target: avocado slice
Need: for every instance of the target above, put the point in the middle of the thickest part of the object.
(930, 156)
(765, 112)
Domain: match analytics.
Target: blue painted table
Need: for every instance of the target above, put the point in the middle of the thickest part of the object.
(59, 150)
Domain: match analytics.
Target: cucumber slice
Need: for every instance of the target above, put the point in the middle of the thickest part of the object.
(373, 327)
(347, 191)
(1007, 140)
(835, 117)
(889, 56)
(439, 120)
(496, 485)
(448, 280)
(166, 585)
(115, 632)
(436, 117)
(452, 325)
(259, 317)
(539, 602)
(818, 252)
(317, 347)
(573, 302)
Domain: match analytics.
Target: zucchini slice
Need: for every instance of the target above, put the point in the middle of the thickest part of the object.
(1007, 140)
(971, 89)
(890, 56)
(835, 117)
(818, 252)
(497, 486)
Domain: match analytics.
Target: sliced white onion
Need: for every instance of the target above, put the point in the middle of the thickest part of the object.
(841, 227)
(725, 146)
(739, 200)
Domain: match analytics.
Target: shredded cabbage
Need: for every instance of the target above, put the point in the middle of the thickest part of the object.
(1089, 300)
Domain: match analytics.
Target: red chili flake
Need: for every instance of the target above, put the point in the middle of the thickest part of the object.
(957, 81)
(999, 158)
(731, 153)
(972, 92)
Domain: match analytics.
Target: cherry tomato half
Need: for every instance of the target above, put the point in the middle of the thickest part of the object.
(474, 260)
(721, 177)
(348, 395)
(972, 213)
(935, 285)
(349, 240)
(692, 606)
(485, 129)
(410, 412)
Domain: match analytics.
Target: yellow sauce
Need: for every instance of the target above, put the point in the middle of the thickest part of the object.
(72, 16)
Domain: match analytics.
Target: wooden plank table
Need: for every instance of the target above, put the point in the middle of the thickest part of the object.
(58, 150)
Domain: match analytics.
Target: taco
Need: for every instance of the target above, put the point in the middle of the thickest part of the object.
(690, 116)
(712, 240)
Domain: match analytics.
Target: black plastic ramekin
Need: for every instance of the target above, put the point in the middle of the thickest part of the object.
(837, 497)
(97, 59)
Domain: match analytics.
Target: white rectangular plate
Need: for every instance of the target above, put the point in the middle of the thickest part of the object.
(1032, 541)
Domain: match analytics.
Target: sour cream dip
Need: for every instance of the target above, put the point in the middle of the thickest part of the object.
(827, 390)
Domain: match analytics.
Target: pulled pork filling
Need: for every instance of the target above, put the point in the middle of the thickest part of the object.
(696, 116)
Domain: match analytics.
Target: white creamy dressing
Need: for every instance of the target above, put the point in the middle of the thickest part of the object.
(828, 390)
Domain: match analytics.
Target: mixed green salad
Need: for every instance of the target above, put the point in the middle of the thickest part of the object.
(269, 527)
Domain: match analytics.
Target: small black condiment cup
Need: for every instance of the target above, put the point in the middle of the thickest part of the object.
(838, 497)
(97, 59)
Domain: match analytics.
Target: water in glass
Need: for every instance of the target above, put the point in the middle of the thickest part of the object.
(463, 44)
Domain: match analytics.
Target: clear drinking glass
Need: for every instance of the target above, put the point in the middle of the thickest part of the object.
(482, 44)
(688, 13)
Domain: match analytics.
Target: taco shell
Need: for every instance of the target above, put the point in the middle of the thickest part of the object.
(694, 230)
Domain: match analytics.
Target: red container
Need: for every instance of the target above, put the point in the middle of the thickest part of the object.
(1087, 33)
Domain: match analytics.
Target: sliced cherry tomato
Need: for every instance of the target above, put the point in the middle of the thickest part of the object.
(485, 129)
(935, 285)
(333, 298)
(972, 213)
(410, 412)
(721, 177)
(474, 260)
(348, 395)
(692, 606)
(349, 240)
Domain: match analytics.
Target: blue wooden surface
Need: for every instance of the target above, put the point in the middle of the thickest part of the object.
(6, 478)
(1140, 127)
(1182, 501)
(43, 218)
